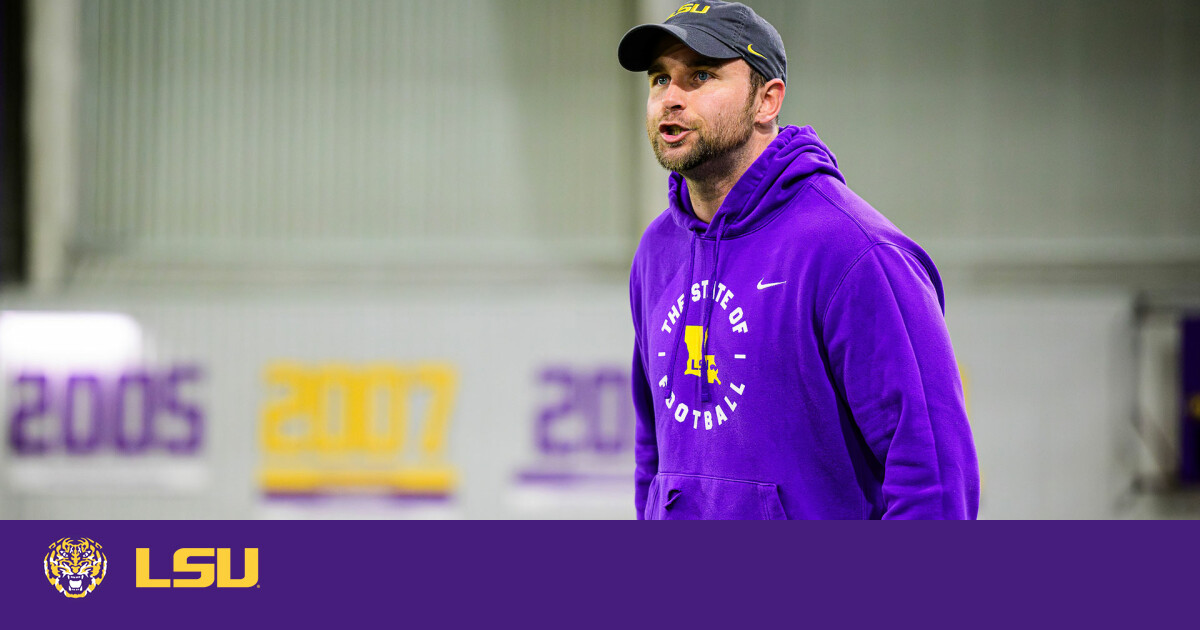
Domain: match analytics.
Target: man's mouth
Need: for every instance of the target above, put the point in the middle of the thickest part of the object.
(672, 133)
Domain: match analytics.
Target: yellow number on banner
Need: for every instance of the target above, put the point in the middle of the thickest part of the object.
(336, 408)
(343, 425)
(966, 387)
(443, 385)
(287, 421)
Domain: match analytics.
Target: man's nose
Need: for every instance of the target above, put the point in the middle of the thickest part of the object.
(674, 97)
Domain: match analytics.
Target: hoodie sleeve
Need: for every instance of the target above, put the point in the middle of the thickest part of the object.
(890, 354)
(646, 441)
(645, 450)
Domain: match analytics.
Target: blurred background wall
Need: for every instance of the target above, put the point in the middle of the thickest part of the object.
(367, 259)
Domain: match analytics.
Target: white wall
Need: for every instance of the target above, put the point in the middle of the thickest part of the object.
(358, 132)
(1009, 131)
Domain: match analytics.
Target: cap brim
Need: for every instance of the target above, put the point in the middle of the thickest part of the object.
(638, 47)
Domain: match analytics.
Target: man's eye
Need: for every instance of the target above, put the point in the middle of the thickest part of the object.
(659, 80)
(703, 76)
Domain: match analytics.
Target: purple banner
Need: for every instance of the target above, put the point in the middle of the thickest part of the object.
(133, 412)
(583, 434)
(338, 574)
(597, 399)
(1189, 371)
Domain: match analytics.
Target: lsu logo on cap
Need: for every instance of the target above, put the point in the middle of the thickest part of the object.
(691, 7)
(75, 566)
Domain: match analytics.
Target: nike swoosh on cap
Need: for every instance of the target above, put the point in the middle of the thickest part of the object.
(762, 286)
(749, 47)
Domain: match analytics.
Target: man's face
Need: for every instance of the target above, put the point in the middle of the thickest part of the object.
(699, 109)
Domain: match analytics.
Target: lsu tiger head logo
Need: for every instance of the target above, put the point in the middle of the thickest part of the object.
(75, 566)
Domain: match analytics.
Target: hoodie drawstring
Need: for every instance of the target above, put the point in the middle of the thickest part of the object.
(682, 325)
(708, 309)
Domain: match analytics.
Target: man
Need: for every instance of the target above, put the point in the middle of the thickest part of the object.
(791, 359)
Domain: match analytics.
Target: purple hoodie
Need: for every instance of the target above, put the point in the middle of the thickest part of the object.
(825, 387)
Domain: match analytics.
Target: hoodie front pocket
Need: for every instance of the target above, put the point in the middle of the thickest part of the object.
(676, 496)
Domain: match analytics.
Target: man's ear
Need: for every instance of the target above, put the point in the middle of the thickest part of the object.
(772, 102)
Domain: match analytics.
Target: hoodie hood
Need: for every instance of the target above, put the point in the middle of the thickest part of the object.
(770, 183)
(766, 187)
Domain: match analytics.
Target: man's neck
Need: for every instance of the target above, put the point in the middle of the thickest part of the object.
(709, 184)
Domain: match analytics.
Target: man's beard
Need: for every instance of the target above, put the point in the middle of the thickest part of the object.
(711, 143)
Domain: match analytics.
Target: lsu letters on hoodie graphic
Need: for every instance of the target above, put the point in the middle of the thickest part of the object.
(791, 357)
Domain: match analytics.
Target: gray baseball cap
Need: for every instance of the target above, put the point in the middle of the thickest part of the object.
(721, 30)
